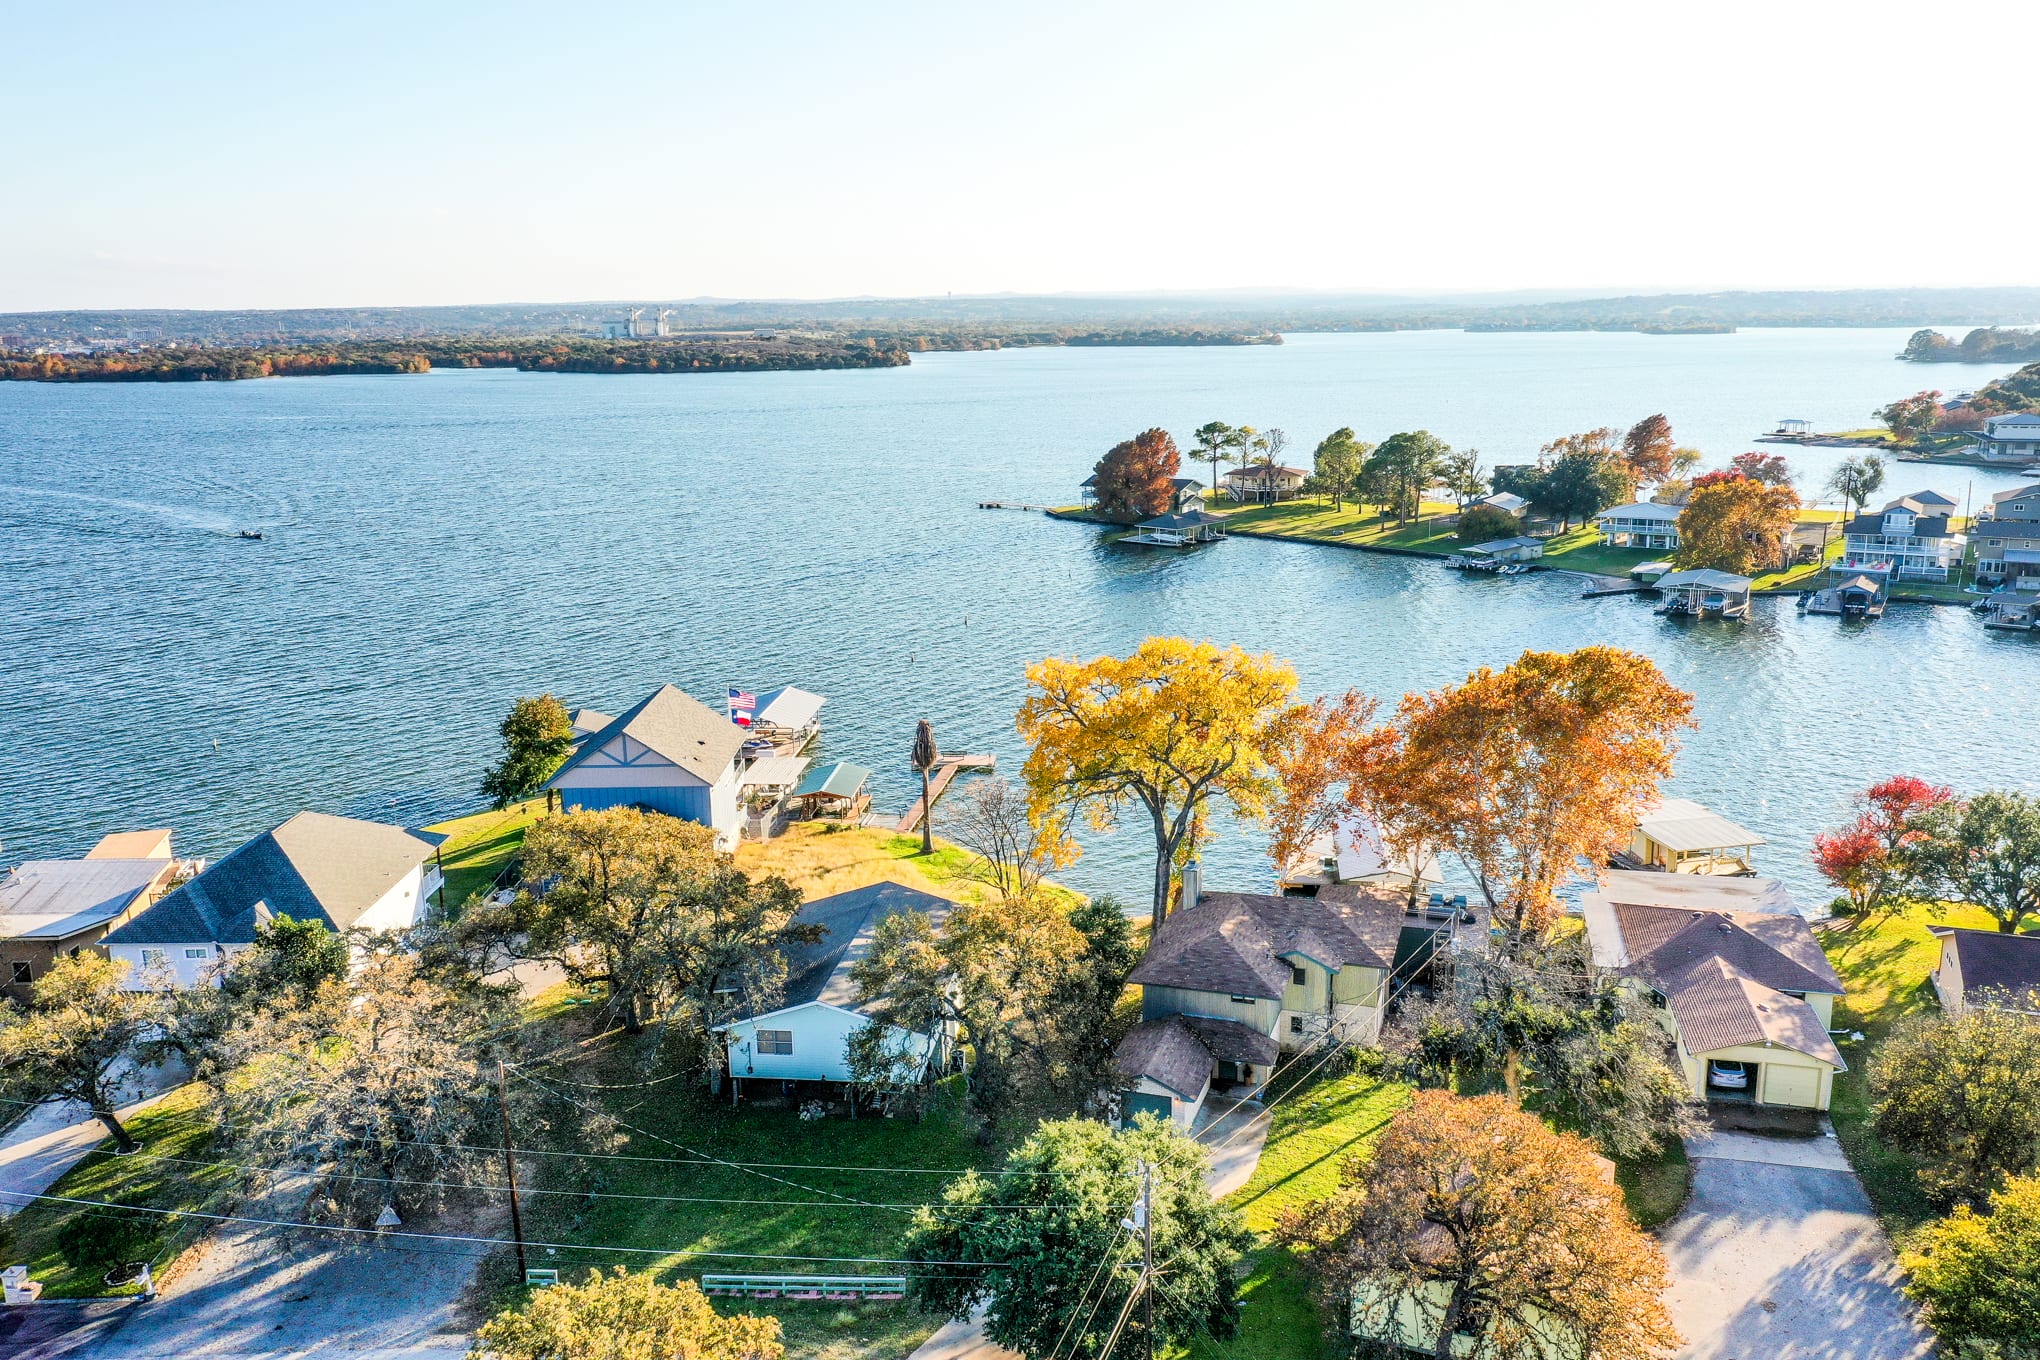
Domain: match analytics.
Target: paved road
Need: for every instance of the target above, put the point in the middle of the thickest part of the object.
(1778, 1257)
(51, 1139)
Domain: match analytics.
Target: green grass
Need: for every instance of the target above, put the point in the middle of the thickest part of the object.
(176, 1126)
(1316, 521)
(1884, 963)
(1278, 1318)
(1655, 1189)
(478, 848)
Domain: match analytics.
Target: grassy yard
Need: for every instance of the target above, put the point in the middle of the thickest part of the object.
(1885, 964)
(480, 847)
(176, 1126)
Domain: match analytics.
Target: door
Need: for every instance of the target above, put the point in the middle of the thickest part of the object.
(1137, 1103)
(1797, 1086)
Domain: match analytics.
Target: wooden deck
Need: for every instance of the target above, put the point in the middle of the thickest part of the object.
(946, 769)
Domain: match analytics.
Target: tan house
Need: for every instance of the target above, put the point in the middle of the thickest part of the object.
(53, 908)
(1682, 837)
(1746, 996)
(1986, 968)
(1263, 483)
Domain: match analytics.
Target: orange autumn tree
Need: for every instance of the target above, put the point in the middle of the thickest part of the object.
(1169, 730)
(1530, 772)
(1474, 1217)
(1338, 768)
(1135, 477)
(1736, 523)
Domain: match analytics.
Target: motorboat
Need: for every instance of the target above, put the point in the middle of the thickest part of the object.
(252, 534)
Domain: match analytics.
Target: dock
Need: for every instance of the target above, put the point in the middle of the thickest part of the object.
(946, 769)
(1010, 505)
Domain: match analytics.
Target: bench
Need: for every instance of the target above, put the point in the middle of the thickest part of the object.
(808, 1288)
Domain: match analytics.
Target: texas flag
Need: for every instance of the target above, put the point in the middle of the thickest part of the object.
(743, 704)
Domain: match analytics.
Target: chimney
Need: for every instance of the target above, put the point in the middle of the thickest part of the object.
(1191, 882)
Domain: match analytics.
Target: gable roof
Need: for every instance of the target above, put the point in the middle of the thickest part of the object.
(48, 899)
(1660, 943)
(1176, 1051)
(1234, 943)
(1719, 1006)
(821, 971)
(314, 867)
(673, 724)
(1994, 962)
(586, 722)
(1681, 824)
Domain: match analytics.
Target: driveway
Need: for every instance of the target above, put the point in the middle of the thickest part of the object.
(1778, 1257)
(50, 1139)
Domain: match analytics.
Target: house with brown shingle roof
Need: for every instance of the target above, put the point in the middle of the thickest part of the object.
(1747, 996)
(1986, 968)
(1233, 980)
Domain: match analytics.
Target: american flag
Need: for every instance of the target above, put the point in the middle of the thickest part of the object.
(743, 704)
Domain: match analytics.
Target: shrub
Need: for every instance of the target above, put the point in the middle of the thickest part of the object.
(98, 1239)
(1974, 1272)
(1483, 522)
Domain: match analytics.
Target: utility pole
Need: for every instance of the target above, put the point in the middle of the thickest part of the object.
(1142, 1222)
(510, 1170)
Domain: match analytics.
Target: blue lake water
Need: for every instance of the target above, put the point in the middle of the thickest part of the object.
(439, 544)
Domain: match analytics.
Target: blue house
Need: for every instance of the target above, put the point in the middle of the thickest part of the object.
(670, 753)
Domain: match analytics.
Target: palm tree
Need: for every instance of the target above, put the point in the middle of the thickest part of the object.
(924, 760)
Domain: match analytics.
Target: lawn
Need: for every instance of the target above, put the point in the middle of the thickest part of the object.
(480, 847)
(1884, 964)
(176, 1126)
(1316, 521)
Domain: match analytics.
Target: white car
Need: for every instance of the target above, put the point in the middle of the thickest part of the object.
(1728, 1076)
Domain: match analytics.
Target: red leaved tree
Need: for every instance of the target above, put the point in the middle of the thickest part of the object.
(1879, 859)
(1133, 479)
(1647, 449)
(1768, 468)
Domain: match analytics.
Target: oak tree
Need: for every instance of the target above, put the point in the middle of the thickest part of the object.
(1986, 851)
(1736, 525)
(1912, 418)
(1336, 464)
(1769, 468)
(537, 738)
(625, 1317)
(1401, 466)
(1978, 1275)
(1962, 1093)
(1582, 475)
(73, 1037)
(1133, 479)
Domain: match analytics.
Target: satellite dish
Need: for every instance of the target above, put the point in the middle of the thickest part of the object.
(388, 1217)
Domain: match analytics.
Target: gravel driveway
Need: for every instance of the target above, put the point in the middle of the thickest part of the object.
(1778, 1257)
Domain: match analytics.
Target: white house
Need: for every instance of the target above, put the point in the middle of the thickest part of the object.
(1912, 538)
(2009, 439)
(315, 867)
(1986, 968)
(1640, 524)
(806, 1036)
(670, 753)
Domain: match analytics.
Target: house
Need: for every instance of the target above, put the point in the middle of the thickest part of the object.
(1231, 980)
(339, 871)
(1682, 837)
(1179, 530)
(669, 753)
(1912, 538)
(1640, 524)
(1263, 483)
(1508, 502)
(2009, 439)
(2008, 539)
(1747, 996)
(1986, 968)
(1353, 852)
(832, 791)
(55, 908)
(805, 1037)
(1185, 493)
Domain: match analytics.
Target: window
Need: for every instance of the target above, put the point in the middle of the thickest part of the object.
(1296, 1024)
(1297, 975)
(1239, 1000)
(778, 1042)
(23, 974)
(199, 953)
(152, 958)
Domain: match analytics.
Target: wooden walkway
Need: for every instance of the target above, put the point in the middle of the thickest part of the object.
(946, 769)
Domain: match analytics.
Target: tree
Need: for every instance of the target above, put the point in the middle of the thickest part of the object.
(1883, 857)
(1769, 468)
(1684, 460)
(1326, 772)
(1986, 852)
(1038, 1227)
(1214, 446)
(1336, 464)
(1736, 525)
(1401, 466)
(1856, 480)
(1583, 474)
(537, 738)
(390, 1093)
(1529, 772)
(1912, 418)
(1013, 853)
(1647, 450)
(1962, 1093)
(1270, 444)
(624, 1317)
(1484, 522)
(925, 755)
(1461, 475)
(1171, 729)
(282, 971)
(72, 1039)
(1483, 1222)
(1975, 1273)
(1134, 480)
(719, 950)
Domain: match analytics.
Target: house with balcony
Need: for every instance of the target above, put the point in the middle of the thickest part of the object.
(1911, 539)
(1640, 524)
(2009, 439)
(1263, 483)
(2007, 540)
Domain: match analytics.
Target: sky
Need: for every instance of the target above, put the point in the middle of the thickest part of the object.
(212, 155)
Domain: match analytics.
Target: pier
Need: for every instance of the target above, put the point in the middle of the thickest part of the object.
(946, 769)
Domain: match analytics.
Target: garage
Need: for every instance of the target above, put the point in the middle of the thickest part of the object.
(1778, 1084)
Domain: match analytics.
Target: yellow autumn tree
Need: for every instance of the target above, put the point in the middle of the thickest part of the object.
(1736, 524)
(1169, 730)
(625, 1317)
(1473, 1219)
(1532, 772)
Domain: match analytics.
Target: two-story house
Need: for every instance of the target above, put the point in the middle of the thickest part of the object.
(2007, 540)
(1640, 524)
(1233, 980)
(669, 753)
(2009, 439)
(1912, 539)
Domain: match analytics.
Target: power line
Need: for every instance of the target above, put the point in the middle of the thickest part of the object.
(1110, 1248)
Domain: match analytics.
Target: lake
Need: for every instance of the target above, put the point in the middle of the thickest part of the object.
(437, 545)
